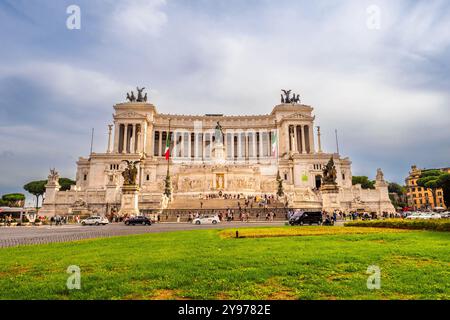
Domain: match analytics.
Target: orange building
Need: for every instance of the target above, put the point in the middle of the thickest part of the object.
(419, 197)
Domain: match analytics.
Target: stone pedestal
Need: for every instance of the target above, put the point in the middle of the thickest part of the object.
(129, 201)
(51, 190)
(218, 153)
(330, 197)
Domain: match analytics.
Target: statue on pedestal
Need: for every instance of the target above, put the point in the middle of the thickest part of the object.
(218, 135)
(130, 173)
(329, 173)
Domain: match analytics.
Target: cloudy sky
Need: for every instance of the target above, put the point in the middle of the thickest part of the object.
(383, 83)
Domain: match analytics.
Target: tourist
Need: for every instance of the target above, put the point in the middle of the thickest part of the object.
(51, 220)
(178, 218)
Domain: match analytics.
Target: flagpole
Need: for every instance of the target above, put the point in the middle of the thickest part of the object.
(168, 158)
(167, 186)
(276, 141)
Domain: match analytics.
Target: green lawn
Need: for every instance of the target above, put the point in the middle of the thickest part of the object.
(203, 265)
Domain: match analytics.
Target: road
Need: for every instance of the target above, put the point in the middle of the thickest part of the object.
(16, 236)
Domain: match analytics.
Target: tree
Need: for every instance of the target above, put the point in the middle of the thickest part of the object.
(36, 188)
(65, 183)
(397, 194)
(167, 185)
(364, 182)
(444, 183)
(13, 199)
(429, 180)
(280, 191)
(396, 188)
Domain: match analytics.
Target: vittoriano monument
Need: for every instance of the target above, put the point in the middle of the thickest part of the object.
(276, 151)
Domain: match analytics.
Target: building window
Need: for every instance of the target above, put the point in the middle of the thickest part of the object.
(156, 144)
(343, 176)
(85, 177)
(148, 177)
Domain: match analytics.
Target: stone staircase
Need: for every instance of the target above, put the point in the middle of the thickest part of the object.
(186, 202)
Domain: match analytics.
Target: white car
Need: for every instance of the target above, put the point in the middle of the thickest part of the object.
(95, 220)
(414, 215)
(206, 220)
(445, 214)
(424, 215)
(430, 215)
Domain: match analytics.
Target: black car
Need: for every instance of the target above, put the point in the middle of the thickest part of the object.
(305, 217)
(138, 220)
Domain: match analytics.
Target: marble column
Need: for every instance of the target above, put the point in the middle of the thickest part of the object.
(159, 143)
(294, 133)
(182, 144)
(302, 130)
(239, 141)
(189, 145)
(116, 136)
(124, 140)
(311, 139)
(260, 145)
(254, 144)
(203, 146)
(109, 138)
(175, 148)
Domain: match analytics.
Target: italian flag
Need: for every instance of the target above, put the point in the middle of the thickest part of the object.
(274, 143)
(167, 151)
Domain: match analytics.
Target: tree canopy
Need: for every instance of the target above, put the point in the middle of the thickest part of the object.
(429, 179)
(65, 183)
(394, 187)
(36, 188)
(364, 182)
(435, 179)
(13, 199)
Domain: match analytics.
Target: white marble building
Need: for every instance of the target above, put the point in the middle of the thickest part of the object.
(246, 163)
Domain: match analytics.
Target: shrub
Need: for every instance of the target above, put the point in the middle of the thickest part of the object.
(419, 224)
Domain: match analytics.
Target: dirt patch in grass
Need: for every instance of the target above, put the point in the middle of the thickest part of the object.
(223, 296)
(339, 277)
(167, 294)
(161, 294)
(276, 291)
(419, 262)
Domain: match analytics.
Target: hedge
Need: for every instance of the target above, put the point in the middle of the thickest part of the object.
(434, 225)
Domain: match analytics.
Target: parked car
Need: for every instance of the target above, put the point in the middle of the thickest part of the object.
(206, 220)
(445, 214)
(424, 215)
(430, 215)
(414, 215)
(302, 217)
(95, 220)
(138, 220)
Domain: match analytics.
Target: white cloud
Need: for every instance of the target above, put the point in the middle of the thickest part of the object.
(77, 86)
(134, 20)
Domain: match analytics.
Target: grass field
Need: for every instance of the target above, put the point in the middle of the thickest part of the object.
(205, 264)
